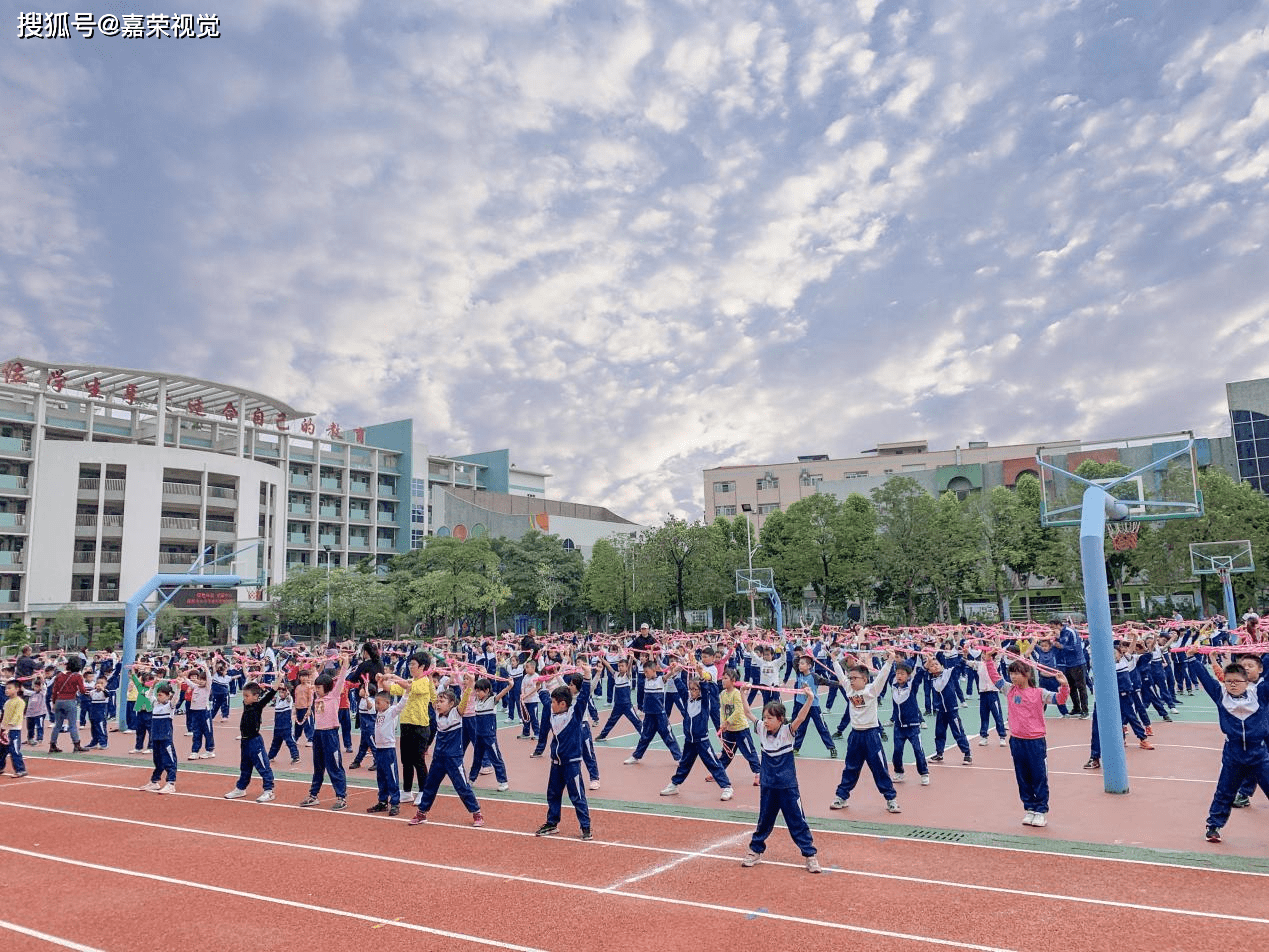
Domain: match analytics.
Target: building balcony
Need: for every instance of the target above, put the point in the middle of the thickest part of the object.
(13, 485)
(358, 488)
(305, 512)
(358, 542)
(9, 596)
(15, 446)
(328, 539)
(188, 494)
(12, 521)
(222, 493)
(299, 538)
(301, 482)
(85, 595)
(9, 557)
(329, 482)
(358, 515)
(388, 490)
(329, 512)
(84, 562)
(173, 527)
(219, 527)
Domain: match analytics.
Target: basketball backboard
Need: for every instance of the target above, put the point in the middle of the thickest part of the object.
(749, 581)
(1156, 477)
(1218, 558)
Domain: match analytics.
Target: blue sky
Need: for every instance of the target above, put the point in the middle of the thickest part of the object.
(632, 240)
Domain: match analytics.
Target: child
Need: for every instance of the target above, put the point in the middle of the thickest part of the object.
(367, 709)
(219, 694)
(1125, 661)
(946, 711)
(566, 754)
(864, 743)
(199, 681)
(36, 711)
(1244, 720)
(326, 754)
(383, 743)
(806, 678)
(780, 787)
(696, 744)
(303, 700)
(160, 699)
(655, 722)
(283, 724)
(1027, 737)
(11, 728)
(619, 692)
(484, 723)
(574, 683)
(144, 706)
(907, 720)
(98, 714)
(254, 701)
(736, 718)
(447, 761)
(988, 699)
(528, 700)
(1254, 668)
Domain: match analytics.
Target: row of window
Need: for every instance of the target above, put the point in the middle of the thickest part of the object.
(764, 509)
(765, 482)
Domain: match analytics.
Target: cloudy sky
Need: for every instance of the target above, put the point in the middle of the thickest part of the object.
(633, 239)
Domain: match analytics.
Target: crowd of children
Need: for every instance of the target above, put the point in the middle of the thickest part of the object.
(447, 698)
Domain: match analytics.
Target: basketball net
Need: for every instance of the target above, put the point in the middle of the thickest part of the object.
(1123, 535)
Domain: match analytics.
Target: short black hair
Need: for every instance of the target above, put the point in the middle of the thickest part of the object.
(253, 687)
(422, 659)
(483, 684)
(562, 694)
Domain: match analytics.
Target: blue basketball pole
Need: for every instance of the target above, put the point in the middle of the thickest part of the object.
(1227, 584)
(1098, 504)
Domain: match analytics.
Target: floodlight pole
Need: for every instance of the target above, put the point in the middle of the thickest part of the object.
(1098, 506)
(746, 508)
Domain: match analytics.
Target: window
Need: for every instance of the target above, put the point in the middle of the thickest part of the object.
(568, 545)
(724, 511)
(725, 487)
(417, 514)
(768, 482)
(812, 479)
(766, 508)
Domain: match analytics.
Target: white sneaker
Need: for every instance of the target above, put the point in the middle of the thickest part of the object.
(503, 787)
(751, 860)
(187, 733)
(670, 790)
(631, 760)
(1040, 819)
(982, 742)
(925, 780)
(485, 770)
(128, 731)
(235, 793)
(266, 797)
(1028, 818)
(892, 806)
(594, 784)
(837, 804)
(167, 788)
(899, 778)
(727, 793)
(207, 755)
(1004, 742)
(151, 787)
(193, 757)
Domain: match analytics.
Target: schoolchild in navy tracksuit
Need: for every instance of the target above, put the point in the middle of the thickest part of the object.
(254, 700)
(515, 671)
(864, 744)
(696, 744)
(779, 794)
(574, 683)
(946, 711)
(805, 679)
(655, 722)
(1254, 668)
(709, 683)
(904, 685)
(1124, 664)
(383, 744)
(447, 760)
(1244, 719)
(529, 703)
(161, 740)
(567, 714)
(484, 730)
(98, 714)
(988, 699)
(219, 692)
(619, 691)
(284, 724)
(367, 708)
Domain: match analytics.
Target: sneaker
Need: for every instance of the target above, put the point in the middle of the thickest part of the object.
(380, 807)
(394, 810)
(797, 751)
(167, 788)
(347, 750)
(1028, 818)
(266, 797)
(670, 790)
(727, 793)
(1145, 744)
(925, 779)
(370, 766)
(1166, 719)
(1240, 801)
(486, 770)
(477, 819)
(968, 761)
(837, 733)
(751, 859)
(837, 804)
(339, 803)
(20, 774)
(128, 731)
(936, 759)
(295, 762)
(1040, 819)
(419, 817)
(587, 835)
(193, 757)
(832, 753)
(547, 829)
(1004, 742)
(1149, 731)
(187, 733)
(235, 793)
(982, 742)
(536, 753)
(813, 865)
(1093, 764)
(631, 760)
(151, 787)
(309, 801)
(504, 787)
(892, 806)
(898, 777)
(1213, 834)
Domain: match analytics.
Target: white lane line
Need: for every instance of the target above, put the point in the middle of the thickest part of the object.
(723, 821)
(44, 936)
(678, 861)
(682, 855)
(309, 907)
(708, 907)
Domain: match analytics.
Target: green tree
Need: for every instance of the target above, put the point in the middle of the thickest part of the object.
(449, 580)
(675, 546)
(14, 637)
(65, 627)
(905, 543)
(606, 582)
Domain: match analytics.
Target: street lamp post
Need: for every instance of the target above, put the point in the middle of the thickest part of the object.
(327, 548)
(746, 508)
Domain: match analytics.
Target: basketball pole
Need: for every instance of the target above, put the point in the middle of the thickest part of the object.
(1227, 584)
(1098, 506)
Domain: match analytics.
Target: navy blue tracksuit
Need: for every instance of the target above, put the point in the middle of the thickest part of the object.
(696, 744)
(779, 794)
(1245, 723)
(908, 721)
(619, 691)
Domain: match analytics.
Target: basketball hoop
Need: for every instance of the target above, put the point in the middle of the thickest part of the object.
(1123, 535)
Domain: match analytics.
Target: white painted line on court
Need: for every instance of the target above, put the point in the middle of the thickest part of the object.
(678, 861)
(309, 907)
(45, 937)
(682, 855)
(724, 821)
